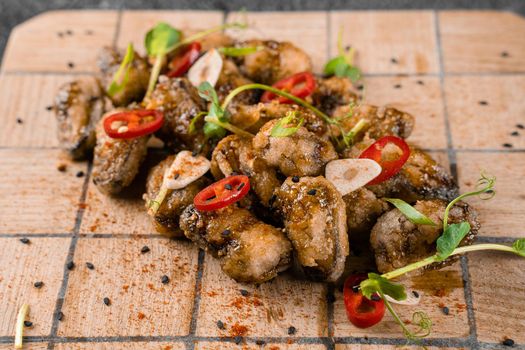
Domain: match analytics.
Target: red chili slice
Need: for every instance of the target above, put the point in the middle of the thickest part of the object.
(222, 193)
(361, 311)
(300, 85)
(135, 123)
(183, 61)
(390, 167)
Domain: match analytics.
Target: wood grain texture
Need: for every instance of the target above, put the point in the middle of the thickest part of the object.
(268, 310)
(476, 41)
(408, 37)
(269, 346)
(27, 97)
(21, 265)
(114, 346)
(53, 40)
(140, 303)
(504, 214)
(34, 196)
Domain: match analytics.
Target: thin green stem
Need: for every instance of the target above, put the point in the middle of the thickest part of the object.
(487, 246)
(410, 267)
(155, 204)
(205, 33)
(155, 71)
(295, 99)
(354, 131)
(228, 126)
(394, 314)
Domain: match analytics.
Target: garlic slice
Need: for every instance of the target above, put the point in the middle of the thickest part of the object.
(185, 169)
(348, 175)
(207, 68)
(411, 299)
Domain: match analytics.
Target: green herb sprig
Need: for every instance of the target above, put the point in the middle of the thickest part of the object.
(239, 51)
(287, 126)
(446, 246)
(412, 214)
(121, 76)
(343, 64)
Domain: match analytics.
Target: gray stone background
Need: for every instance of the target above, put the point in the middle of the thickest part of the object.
(13, 12)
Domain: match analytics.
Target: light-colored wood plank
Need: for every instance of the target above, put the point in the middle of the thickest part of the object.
(267, 311)
(149, 345)
(443, 287)
(27, 346)
(503, 215)
(52, 40)
(269, 346)
(306, 30)
(34, 196)
(482, 41)
(21, 265)
(408, 37)
(386, 347)
(498, 293)
(419, 96)
(135, 24)
(140, 303)
(28, 96)
(484, 111)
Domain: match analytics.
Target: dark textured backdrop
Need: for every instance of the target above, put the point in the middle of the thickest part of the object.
(13, 12)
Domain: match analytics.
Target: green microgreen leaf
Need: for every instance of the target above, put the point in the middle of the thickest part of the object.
(333, 65)
(450, 239)
(160, 38)
(412, 214)
(343, 64)
(287, 126)
(378, 284)
(192, 129)
(519, 246)
(239, 51)
(213, 131)
(121, 76)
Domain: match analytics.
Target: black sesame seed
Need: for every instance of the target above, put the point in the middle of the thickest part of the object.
(508, 342)
(355, 289)
(393, 60)
(49, 108)
(107, 301)
(483, 103)
(28, 323)
(195, 153)
(240, 186)
(507, 145)
(80, 174)
(504, 54)
(60, 316)
(165, 279)
(90, 266)
(25, 240)
(226, 233)
(415, 293)
(70, 265)
(237, 340)
(38, 284)
(295, 179)
(144, 249)
(312, 192)
(176, 176)
(228, 187)
(19, 121)
(397, 86)
(220, 325)
(520, 126)
(375, 297)
(71, 65)
(291, 330)
(60, 34)
(360, 87)
(514, 133)
(445, 310)
(244, 292)
(420, 82)
(260, 342)
(69, 32)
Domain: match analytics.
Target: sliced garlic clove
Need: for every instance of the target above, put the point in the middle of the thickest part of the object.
(348, 175)
(412, 299)
(185, 169)
(207, 68)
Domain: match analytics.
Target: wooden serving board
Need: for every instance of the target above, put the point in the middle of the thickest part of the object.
(461, 73)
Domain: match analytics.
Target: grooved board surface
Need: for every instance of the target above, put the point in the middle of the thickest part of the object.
(460, 73)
